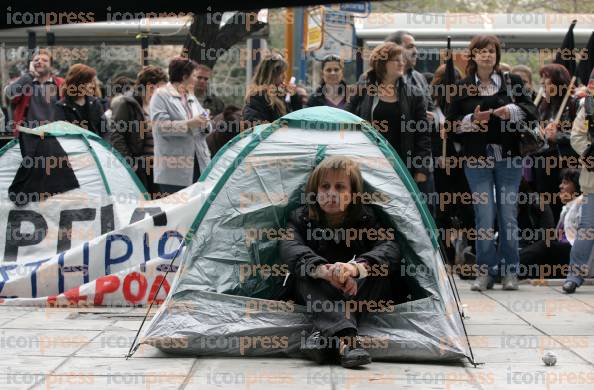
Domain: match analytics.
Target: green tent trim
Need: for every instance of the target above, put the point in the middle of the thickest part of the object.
(69, 130)
(342, 121)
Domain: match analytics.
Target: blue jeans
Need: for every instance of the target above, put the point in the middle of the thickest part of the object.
(582, 247)
(501, 179)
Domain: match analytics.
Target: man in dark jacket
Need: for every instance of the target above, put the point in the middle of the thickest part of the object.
(131, 132)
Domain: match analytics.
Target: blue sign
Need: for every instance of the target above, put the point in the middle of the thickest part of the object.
(363, 7)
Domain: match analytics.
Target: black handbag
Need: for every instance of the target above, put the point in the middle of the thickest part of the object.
(532, 140)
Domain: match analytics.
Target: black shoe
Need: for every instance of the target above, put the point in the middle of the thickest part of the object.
(317, 348)
(569, 287)
(352, 355)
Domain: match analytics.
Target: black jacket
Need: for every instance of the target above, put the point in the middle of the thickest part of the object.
(67, 110)
(213, 103)
(561, 144)
(304, 252)
(416, 137)
(128, 126)
(319, 99)
(498, 131)
(257, 110)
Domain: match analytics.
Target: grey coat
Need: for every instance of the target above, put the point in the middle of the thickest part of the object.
(175, 143)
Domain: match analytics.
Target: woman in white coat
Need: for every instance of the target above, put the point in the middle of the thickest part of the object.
(180, 126)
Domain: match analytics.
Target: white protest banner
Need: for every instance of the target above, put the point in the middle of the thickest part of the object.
(75, 250)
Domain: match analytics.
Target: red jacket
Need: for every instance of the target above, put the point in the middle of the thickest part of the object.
(20, 105)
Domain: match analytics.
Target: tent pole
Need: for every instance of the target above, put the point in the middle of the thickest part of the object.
(454, 287)
(135, 346)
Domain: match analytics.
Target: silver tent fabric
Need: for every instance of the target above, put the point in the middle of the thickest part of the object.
(211, 310)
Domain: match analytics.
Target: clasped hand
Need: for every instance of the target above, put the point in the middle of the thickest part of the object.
(340, 275)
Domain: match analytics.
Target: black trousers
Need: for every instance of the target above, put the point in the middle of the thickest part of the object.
(333, 311)
(541, 254)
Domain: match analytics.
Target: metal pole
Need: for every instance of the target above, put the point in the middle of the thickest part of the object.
(299, 55)
(3, 65)
(289, 43)
(359, 58)
(144, 57)
(31, 43)
(249, 61)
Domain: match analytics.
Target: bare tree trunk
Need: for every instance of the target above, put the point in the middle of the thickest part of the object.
(207, 40)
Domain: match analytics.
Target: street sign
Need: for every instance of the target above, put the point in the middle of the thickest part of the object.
(363, 7)
(339, 35)
(313, 36)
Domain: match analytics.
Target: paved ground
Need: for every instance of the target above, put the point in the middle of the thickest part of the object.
(84, 348)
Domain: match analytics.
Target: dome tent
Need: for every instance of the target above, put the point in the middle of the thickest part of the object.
(220, 295)
(99, 169)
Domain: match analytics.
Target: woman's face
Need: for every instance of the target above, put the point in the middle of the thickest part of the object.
(486, 57)
(566, 190)
(549, 88)
(87, 89)
(395, 67)
(332, 73)
(190, 80)
(334, 192)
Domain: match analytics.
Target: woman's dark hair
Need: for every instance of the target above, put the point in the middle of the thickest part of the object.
(151, 75)
(78, 74)
(119, 85)
(572, 175)
(559, 76)
(180, 67)
(438, 88)
(478, 43)
(379, 58)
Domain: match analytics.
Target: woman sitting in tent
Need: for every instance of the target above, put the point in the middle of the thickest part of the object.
(341, 256)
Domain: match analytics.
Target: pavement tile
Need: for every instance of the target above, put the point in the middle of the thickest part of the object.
(83, 348)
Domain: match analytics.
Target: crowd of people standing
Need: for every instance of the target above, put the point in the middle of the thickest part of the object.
(162, 115)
